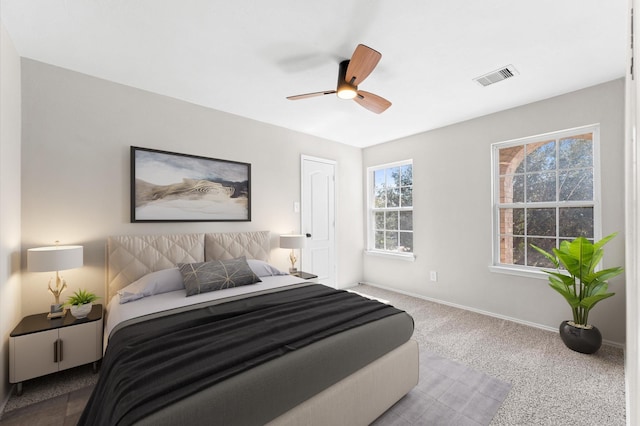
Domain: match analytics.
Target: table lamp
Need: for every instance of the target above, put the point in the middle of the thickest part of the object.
(293, 241)
(55, 258)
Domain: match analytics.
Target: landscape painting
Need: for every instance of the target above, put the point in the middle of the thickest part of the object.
(172, 187)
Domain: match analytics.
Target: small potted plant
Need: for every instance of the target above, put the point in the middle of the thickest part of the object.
(80, 303)
(582, 286)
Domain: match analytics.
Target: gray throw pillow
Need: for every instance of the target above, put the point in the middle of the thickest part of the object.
(215, 275)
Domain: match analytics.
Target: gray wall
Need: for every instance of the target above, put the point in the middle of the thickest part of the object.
(75, 179)
(452, 210)
(9, 201)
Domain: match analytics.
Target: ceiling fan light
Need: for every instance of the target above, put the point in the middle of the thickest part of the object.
(347, 93)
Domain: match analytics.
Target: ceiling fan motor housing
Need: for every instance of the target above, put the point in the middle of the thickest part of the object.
(345, 89)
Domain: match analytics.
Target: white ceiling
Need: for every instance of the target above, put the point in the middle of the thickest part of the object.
(244, 57)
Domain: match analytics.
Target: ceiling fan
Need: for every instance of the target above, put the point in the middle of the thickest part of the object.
(351, 73)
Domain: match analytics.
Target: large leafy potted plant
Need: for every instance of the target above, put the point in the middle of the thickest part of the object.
(577, 280)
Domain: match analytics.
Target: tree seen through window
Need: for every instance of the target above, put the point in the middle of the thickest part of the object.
(545, 194)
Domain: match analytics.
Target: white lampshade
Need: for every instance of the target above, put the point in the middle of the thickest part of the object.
(293, 241)
(54, 258)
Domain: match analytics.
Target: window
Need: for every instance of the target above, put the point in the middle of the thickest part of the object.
(390, 200)
(545, 191)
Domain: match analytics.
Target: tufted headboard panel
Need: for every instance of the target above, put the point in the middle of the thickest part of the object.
(253, 245)
(129, 257)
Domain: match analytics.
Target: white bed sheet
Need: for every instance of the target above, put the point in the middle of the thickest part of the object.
(118, 313)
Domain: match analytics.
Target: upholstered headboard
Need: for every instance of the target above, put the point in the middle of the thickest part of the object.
(129, 257)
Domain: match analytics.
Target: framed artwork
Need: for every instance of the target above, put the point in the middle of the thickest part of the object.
(172, 187)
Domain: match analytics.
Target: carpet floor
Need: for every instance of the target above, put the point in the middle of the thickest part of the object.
(551, 385)
(475, 370)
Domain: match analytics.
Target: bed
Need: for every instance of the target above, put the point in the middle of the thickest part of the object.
(332, 371)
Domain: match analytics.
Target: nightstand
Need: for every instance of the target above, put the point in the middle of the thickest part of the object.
(304, 275)
(40, 346)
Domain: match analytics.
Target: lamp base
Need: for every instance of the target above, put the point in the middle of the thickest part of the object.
(293, 270)
(56, 315)
(56, 311)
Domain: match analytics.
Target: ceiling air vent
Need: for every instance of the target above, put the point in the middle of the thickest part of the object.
(497, 75)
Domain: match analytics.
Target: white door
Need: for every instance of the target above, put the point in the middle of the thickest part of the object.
(318, 218)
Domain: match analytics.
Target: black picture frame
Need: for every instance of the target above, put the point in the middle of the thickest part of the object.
(174, 187)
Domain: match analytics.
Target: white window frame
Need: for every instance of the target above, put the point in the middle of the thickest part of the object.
(371, 250)
(532, 271)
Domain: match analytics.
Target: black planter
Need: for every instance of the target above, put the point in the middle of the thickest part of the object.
(583, 340)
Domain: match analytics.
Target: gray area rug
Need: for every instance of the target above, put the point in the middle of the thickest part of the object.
(448, 393)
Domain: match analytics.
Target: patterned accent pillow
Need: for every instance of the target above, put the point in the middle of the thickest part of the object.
(203, 277)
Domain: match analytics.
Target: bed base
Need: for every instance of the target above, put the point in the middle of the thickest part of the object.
(363, 396)
(356, 400)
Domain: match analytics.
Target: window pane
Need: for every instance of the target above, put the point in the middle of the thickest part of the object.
(569, 240)
(518, 250)
(393, 177)
(406, 242)
(380, 200)
(512, 221)
(541, 187)
(407, 175)
(512, 189)
(576, 222)
(378, 220)
(406, 198)
(379, 236)
(534, 258)
(512, 250)
(506, 221)
(391, 240)
(541, 222)
(406, 221)
(518, 221)
(378, 180)
(506, 189)
(576, 185)
(511, 160)
(518, 189)
(391, 222)
(541, 156)
(576, 151)
(393, 197)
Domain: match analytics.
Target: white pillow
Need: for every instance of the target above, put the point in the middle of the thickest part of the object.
(263, 269)
(154, 283)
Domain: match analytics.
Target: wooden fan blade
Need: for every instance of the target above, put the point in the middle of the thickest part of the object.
(363, 61)
(310, 95)
(372, 102)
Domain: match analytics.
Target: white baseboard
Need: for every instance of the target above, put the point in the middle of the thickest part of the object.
(480, 311)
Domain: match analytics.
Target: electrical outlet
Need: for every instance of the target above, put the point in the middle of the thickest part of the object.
(296, 207)
(433, 276)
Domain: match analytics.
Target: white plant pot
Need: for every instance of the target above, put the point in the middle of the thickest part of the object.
(81, 311)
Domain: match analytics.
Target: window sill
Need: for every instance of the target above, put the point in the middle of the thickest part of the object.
(410, 257)
(522, 272)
